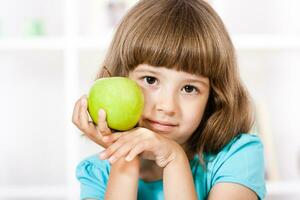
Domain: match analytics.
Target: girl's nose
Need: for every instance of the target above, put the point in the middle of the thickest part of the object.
(166, 103)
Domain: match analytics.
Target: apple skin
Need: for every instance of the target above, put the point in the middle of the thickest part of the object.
(121, 98)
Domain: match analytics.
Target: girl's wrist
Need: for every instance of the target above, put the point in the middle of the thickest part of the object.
(124, 166)
(178, 155)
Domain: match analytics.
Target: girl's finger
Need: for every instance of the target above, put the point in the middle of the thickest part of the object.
(116, 145)
(75, 115)
(124, 149)
(113, 137)
(102, 124)
(138, 149)
(116, 135)
(85, 126)
(96, 136)
(88, 126)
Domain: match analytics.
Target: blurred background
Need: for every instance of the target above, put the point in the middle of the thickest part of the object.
(50, 52)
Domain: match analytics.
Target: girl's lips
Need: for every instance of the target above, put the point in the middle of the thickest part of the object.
(161, 126)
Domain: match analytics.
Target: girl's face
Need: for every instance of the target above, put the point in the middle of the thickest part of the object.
(174, 101)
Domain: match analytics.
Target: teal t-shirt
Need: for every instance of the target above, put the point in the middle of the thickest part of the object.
(240, 161)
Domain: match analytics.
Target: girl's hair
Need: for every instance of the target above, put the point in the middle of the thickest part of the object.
(186, 35)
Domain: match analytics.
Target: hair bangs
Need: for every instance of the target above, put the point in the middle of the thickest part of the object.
(174, 41)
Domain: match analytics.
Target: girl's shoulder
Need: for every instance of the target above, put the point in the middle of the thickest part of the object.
(93, 174)
(243, 141)
(244, 145)
(240, 161)
(93, 164)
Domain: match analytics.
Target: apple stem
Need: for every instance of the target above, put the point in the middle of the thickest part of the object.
(107, 71)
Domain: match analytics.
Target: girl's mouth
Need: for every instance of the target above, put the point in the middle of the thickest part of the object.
(161, 126)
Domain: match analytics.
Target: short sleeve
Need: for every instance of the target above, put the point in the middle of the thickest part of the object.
(242, 162)
(92, 173)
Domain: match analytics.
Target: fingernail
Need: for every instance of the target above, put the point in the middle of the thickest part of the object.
(102, 155)
(112, 159)
(101, 112)
(128, 158)
(105, 138)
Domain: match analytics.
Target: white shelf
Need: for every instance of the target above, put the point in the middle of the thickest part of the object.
(34, 192)
(241, 42)
(86, 43)
(32, 44)
(81, 43)
(266, 42)
(283, 187)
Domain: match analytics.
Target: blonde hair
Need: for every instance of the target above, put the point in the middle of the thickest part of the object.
(186, 35)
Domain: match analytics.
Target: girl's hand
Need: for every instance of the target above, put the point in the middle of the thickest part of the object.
(149, 144)
(82, 120)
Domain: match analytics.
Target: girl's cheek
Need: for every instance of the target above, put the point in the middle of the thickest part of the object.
(147, 95)
(150, 98)
(147, 91)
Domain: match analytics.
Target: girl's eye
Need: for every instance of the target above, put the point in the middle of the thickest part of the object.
(190, 89)
(150, 80)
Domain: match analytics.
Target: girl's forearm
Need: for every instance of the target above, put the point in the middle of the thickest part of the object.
(123, 180)
(178, 180)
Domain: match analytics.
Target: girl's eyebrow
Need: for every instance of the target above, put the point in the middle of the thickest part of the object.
(147, 70)
(191, 80)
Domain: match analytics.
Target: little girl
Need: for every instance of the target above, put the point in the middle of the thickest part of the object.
(193, 140)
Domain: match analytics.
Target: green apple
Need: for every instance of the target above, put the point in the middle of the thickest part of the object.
(121, 98)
